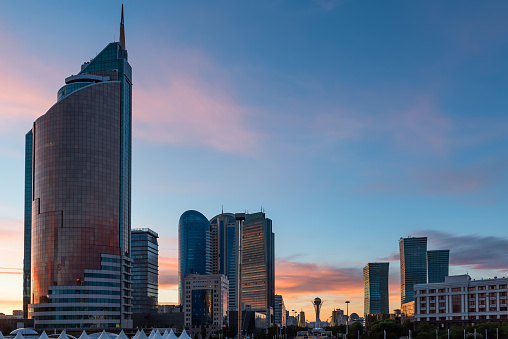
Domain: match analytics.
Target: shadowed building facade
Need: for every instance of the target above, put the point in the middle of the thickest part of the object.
(413, 266)
(80, 199)
(194, 255)
(145, 271)
(224, 247)
(437, 265)
(376, 297)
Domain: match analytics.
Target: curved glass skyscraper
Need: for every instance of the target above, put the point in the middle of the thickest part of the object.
(193, 247)
(80, 199)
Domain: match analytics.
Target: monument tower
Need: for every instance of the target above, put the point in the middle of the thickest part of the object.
(317, 306)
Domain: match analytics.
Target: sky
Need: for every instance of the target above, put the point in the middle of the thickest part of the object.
(351, 123)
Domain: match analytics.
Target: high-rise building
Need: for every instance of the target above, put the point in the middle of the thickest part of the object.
(81, 206)
(301, 319)
(145, 270)
(258, 263)
(194, 254)
(224, 247)
(413, 266)
(27, 223)
(376, 297)
(437, 265)
(206, 300)
(280, 311)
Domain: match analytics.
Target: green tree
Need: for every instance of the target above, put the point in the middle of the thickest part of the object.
(393, 329)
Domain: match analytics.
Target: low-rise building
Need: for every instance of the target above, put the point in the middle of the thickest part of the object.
(460, 300)
(205, 301)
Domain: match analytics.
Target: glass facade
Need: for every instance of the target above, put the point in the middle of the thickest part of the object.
(413, 266)
(224, 245)
(145, 270)
(376, 297)
(27, 223)
(437, 265)
(194, 254)
(80, 201)
(258, 262)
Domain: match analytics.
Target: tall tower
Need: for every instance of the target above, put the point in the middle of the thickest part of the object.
(193, 248)
(438, 262)
(258, 263)
(145, 271)
(375, 279)
(413, 266)
(224, 248)
(317, 307)
(80, 199)
(301, 319)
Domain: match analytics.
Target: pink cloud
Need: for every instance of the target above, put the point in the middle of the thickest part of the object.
(189, 101)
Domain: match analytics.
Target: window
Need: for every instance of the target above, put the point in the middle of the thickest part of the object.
(492, 287)
(441, 290)
(471, 288)
(481, 288)
(456, 289)
(456, 303)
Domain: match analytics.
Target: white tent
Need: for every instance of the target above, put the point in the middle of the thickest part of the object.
(184, 335)
(63, 335)
(151, 334)
(157, 335)
(136, 335)
(172, 335)
(44, 335)
(104, 335)
(164, 336)
(122, 336)
(1, 335)
(82, 336)
(142, 335)
(19, 336)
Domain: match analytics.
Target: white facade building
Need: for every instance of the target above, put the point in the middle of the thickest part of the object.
(205, 300)
(460, 300)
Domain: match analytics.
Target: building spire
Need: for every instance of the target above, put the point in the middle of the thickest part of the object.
(122, 32)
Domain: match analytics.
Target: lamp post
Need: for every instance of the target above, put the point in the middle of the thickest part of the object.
(347, 317)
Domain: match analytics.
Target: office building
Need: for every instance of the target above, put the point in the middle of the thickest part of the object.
(194, 252)
(27, 223)
(80, 198)
(437, 265)
(206, 300)
(376, 297)
(413, 265)
(145, 270)
(419, 266)
(301, 319)
(258, 264)
(337, 317)
(280, 316)
(461, 301)
(224, 252)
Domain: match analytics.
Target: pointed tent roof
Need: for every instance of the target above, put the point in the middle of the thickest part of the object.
(142, 335)
(44, 335)
(172, 335)
(63, 335)
(19, 336)
(165, 335)
(136, 335)
(122, 335)
(157, 335)
(122, 32)
(151, 334)
(104, 335)
(82, 336)
(1, 335)
(184, 335)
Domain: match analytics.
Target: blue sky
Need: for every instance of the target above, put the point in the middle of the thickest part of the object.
(351, 123)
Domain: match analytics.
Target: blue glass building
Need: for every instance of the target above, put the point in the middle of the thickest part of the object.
(376, 297)
(438, 262)
(194, 252)
(80, 183)
(413, 265)
(224, 245)
(27, 223)
(145, 271)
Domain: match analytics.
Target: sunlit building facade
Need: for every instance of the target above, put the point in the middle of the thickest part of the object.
(194, 252)
(258, 263)
(80, 199)
(224, 252)
(376, 297)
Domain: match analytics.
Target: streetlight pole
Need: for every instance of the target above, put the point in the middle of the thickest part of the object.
(347, 315)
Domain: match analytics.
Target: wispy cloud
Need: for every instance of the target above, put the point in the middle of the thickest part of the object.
(190, 101)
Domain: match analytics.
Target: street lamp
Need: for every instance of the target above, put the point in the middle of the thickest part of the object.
(347, 317)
